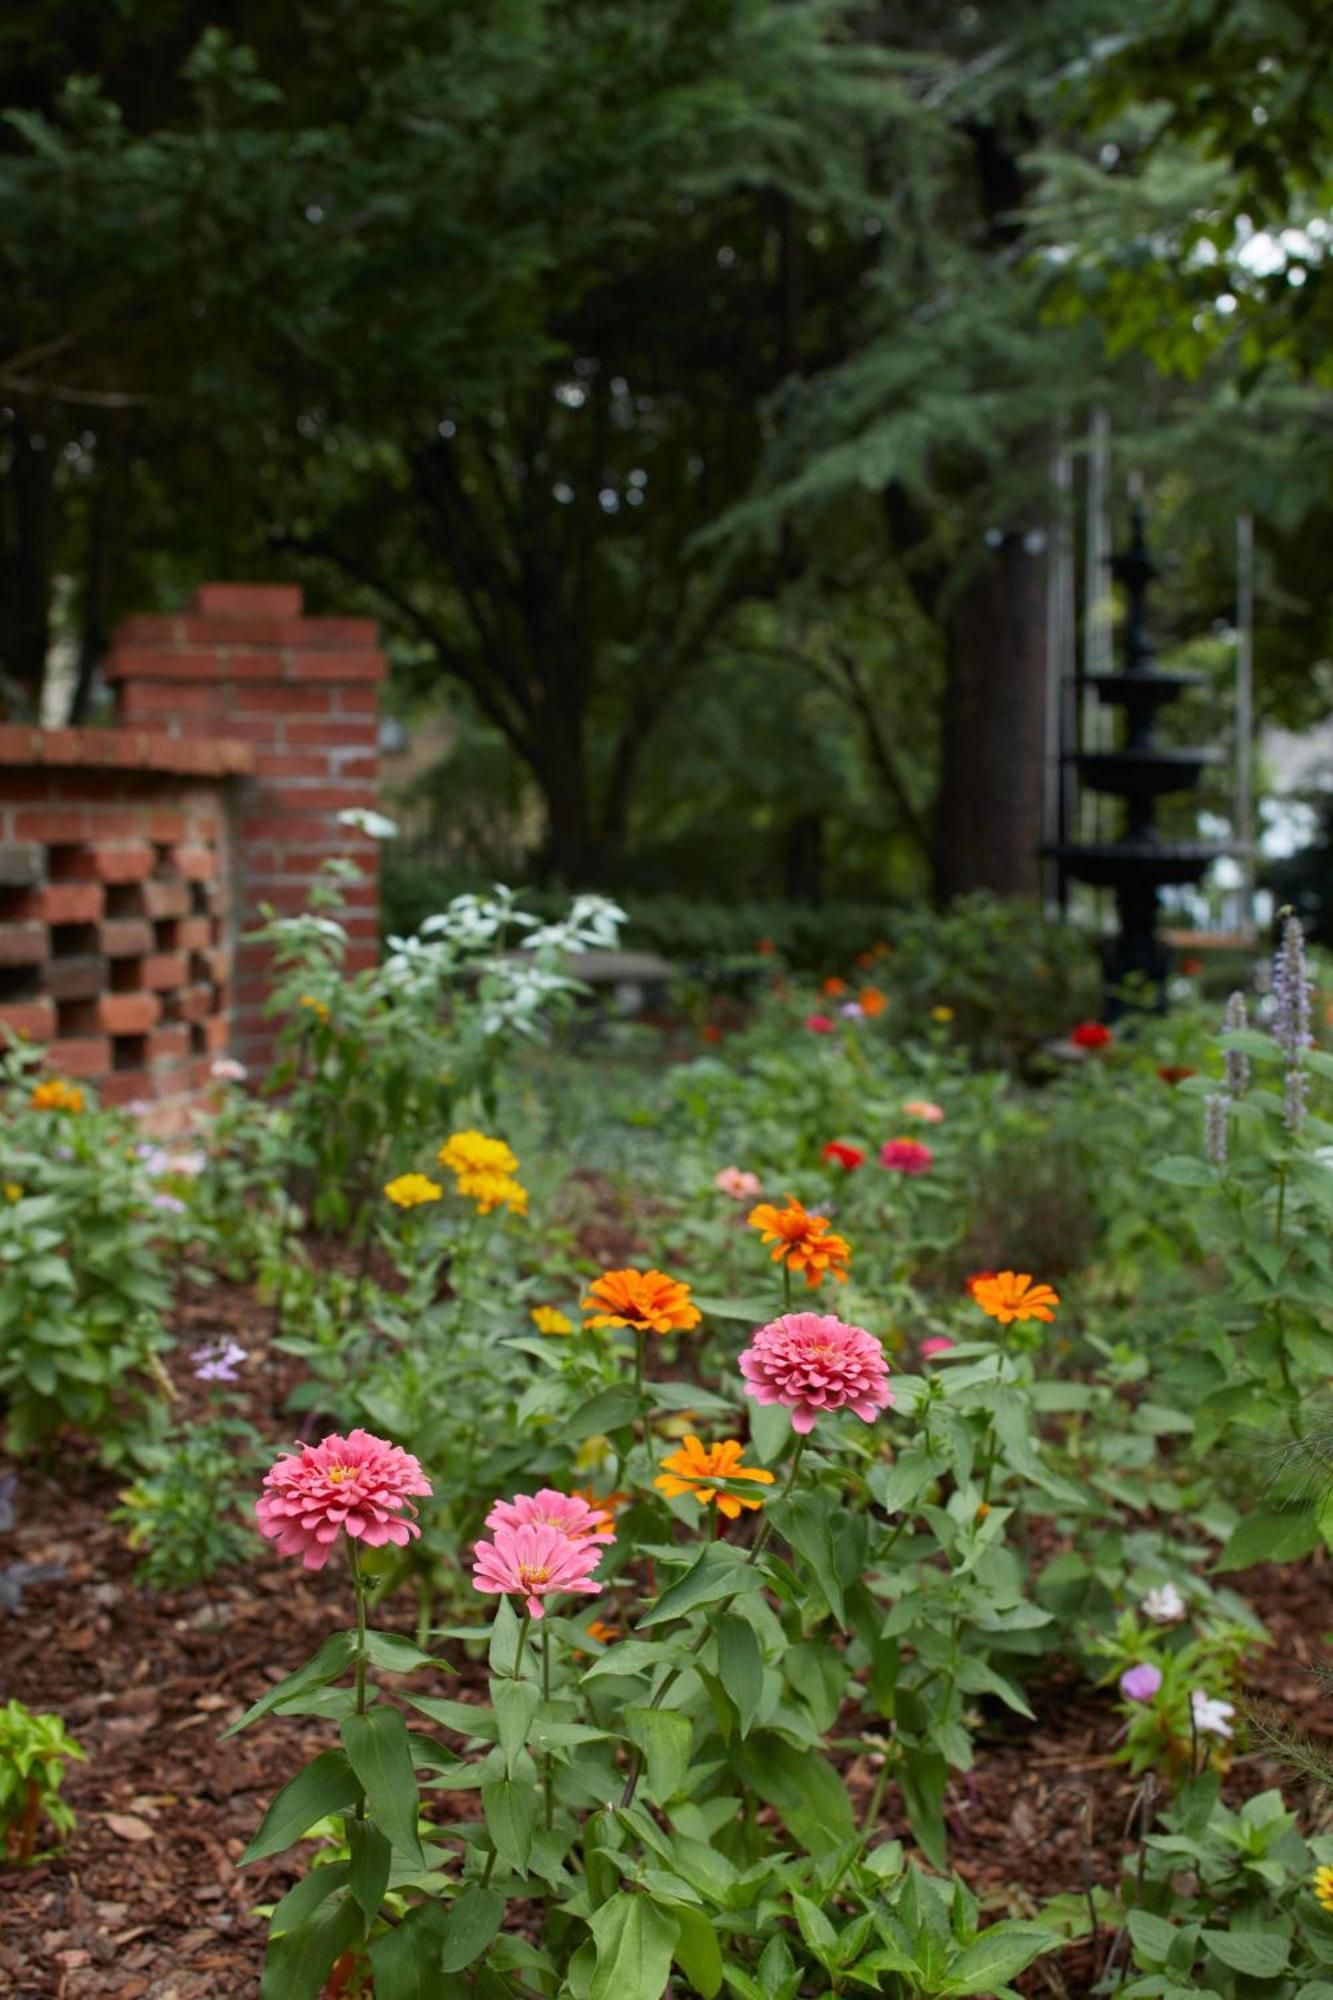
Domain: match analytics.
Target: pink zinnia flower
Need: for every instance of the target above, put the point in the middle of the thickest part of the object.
(921, 1107)
(548, 1509)
(820, 1024)
(906, 1156)
(814, 1362)
(535, 1563)
(937, 1344)
(357, 1485)
(739, 1184)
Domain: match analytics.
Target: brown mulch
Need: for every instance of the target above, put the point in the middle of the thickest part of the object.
(146, 1902)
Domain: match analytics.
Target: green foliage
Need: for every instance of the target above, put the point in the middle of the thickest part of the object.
(185, 1512)
(34, 1751)
(86, 1285)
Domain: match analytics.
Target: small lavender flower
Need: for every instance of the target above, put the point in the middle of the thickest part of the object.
(1291, 989)
(852, 1010)
(170, 1204)
(217, 1361)
(1140, 1683)
(1237, 1062)
(1215, 1130)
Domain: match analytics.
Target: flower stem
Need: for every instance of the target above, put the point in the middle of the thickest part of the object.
(358, 1585)
(766, 1526)
(786, 1287)
(548, 1776)
(640, 1342)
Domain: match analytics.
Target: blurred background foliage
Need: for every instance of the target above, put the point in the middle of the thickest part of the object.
(677, 380)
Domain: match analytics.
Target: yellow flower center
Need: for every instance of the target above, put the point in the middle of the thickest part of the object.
(338, 1473)
(530, 1573)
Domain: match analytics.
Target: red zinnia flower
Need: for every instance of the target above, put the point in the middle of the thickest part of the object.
(850, 1157)
(820, 1024)
(1090, 1035)
(906, 1156)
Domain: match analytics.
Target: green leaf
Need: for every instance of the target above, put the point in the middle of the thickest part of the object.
(510, 1806)
(719, 1573)
(372, 1858)
(998, 1955)
(815, 1928)
(516, 1703)
(465, 1718)
(381, 1755)
(608, 1411)
(1183, 1170)
(474, 1919)
(698, 1953)
(406, 1960)
(305, 1895)
(1270, 1535)
(740, 1667)
(393, 1654)
(802, 1786)
(1153, 1938)
(665, 1737)
(1258, 1953)
(297, 1963)
(327, 1785)
(635, 1942)
(332, 1659)
(806, 1522)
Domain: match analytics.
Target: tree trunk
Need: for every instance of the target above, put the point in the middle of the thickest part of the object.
(989, 816)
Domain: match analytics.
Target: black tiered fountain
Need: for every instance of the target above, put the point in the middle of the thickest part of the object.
(1139, 863)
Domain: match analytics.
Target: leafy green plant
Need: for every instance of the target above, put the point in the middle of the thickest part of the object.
(183, 1514)
(34, 1751)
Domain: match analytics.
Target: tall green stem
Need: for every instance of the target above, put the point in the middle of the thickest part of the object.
(548, 1779)
(358, 1585)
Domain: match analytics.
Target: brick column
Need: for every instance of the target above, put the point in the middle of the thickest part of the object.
(243, 662)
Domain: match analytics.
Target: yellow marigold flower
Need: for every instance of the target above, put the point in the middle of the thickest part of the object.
(549, 1319)
(941, 1014)
(13, 1192)
(56, 1095)
(319, 1008)
(802, 1242)
(872, 1001)
(1321, 1883)
(412, 1190)
(484, 1170)
(1011, 1295)
(689, 1470)
(648, 1301)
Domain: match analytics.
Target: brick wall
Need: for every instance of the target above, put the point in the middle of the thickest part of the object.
(116, 931)
(302, 693)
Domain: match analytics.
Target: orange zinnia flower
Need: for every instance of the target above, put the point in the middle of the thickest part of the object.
(688, 1470)
(648, 1301)
(605, 1505)
(1010, 1295)
(872, 1001)
(834, 986)
(802, 1242)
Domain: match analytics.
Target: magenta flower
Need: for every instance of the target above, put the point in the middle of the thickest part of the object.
(535, 1563)
(546, 1508)
(820, 1024)
(937, 1344)
(357, 1485)
(906, 1156)
(812, 1363)
(1140, 1683)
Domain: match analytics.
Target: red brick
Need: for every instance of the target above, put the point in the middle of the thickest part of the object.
(162, 970)
(163, 898)
(39, 823)
(228, 600)
(31, 1020)
(132, 862)
(128, 1013)
(71, 902)
(356, 701)
(273, 825)
(215, 964)
(124, 1086)
(79, 977)
(24, 943)
(81, 1055)
(170, 1043)
(194, 933)
(191, 1003)
(164, 825)
(349, 665)
(346, 735)
(257, 700)
(154, 698)
(217, 1036)
(125, 937)
(289, 764)
(196, 864)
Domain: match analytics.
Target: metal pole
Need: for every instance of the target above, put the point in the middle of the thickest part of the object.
(1059, 664)
(1244, 801)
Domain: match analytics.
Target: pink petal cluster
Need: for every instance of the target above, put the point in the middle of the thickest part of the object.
(906, 1156)
(535, 1562)
(548, 1509)
(938, 1343)
(820, 1024)
(356, 1485)
(814, 1362)
(740, 1184)
(921, 1107)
